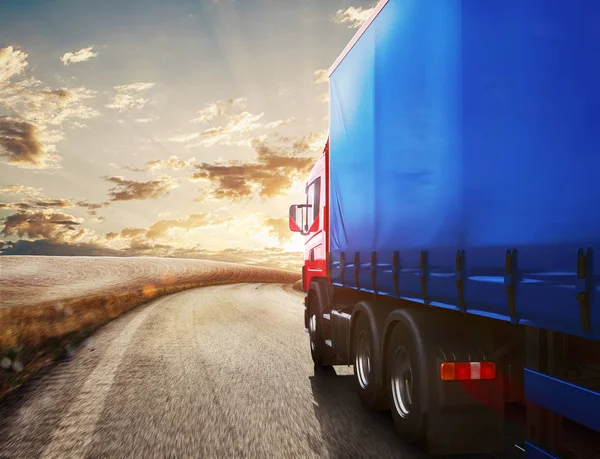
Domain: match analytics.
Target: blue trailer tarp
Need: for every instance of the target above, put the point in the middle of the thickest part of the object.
(472, 125)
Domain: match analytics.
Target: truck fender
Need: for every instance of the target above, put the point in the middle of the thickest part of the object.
(413, 319)
(375, 322)
(316, 288)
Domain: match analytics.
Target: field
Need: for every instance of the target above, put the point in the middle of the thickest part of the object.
(49, 303)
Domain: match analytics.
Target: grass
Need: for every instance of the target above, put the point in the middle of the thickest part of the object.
(33, 337)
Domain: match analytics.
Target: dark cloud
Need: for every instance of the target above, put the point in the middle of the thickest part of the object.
(58, 233)
(279, 227)
(93, 207)
(36, 201)
(56, 248)
(39, 224)
(38, 204)
(272, 172)
(128, 190)
(20, 143)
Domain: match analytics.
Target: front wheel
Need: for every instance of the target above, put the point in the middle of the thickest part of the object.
(404, 385)
(315, 332)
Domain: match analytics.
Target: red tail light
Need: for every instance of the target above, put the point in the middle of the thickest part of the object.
(488, 370)
(464, 371)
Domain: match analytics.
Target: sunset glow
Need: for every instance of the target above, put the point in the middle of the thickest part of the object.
(163, 128)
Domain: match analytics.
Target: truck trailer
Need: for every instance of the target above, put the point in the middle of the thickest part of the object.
(452, 223)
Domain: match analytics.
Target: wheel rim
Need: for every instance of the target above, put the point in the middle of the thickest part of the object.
(402, 382)
(363, 360)
(312, 331)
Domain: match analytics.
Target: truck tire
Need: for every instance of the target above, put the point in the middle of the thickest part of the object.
(315, 332)
(366, 366)
(404, 384)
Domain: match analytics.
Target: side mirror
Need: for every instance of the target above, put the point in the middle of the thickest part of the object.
(296, 218)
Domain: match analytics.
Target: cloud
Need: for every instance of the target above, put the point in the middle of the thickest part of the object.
(126, 233)
(38, 204)
(146, 120)
(12, 62)
(272, 172)
(57, 248)
(173, 163)
(47, 106)
(321, 76)
(58, 233)
(185, 137)
(128, 96)
(235, 132)
(244, 122)
(40, 224)
(276, 124)
(128, 190)
(134, 87)
(21, 145)
(84, 54)
(354, 17)
(33, 116)
(34, 200)
(128, 168)
(18, 189)
(92, 207)
(161, 227)
(220, 108)
(279, 228)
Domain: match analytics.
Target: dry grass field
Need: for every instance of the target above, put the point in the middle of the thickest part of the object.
(48, 303)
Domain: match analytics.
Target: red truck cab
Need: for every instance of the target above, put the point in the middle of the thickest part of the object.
(311, 219)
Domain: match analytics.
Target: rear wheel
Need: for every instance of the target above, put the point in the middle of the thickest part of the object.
(366, 366)
(404, 385)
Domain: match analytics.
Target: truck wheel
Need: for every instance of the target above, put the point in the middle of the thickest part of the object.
(366, 366)
(404, 385)
(315, 332)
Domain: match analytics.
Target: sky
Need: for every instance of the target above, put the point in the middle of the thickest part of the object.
(180, 128)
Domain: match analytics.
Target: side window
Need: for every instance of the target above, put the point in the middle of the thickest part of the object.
(313, 197)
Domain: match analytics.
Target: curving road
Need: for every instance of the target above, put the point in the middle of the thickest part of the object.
(213, 372)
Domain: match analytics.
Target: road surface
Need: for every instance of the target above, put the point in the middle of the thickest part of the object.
(213, 372)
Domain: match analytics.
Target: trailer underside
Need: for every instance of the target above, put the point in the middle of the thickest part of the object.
(549, 375)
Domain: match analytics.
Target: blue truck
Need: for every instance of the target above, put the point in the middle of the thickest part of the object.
(453, 225)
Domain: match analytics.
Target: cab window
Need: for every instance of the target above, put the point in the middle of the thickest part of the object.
(313, 198)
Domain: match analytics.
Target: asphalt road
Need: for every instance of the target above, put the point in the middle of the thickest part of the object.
(213, 372)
